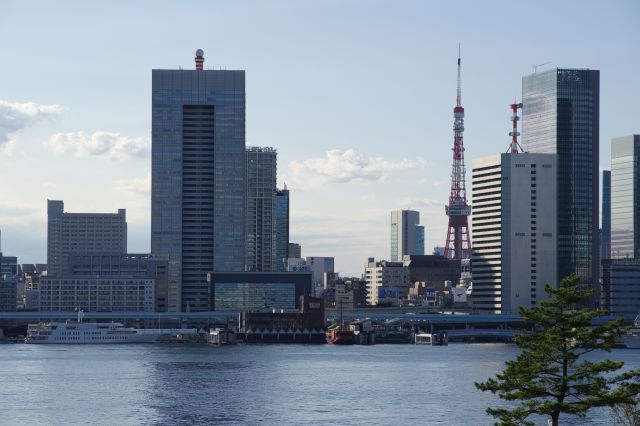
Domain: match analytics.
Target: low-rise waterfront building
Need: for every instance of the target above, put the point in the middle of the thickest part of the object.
(97, 294)
(247, 291)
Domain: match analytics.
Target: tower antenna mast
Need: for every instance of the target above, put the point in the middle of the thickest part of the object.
(458, 245)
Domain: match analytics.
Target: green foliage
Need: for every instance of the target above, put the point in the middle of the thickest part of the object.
(548, 376)
(626, 414)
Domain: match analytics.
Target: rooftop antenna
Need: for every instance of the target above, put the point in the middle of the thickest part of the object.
(536, 66)
(199, 59)
(515, 146)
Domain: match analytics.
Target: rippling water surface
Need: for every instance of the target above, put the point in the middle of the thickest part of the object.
(254, 384)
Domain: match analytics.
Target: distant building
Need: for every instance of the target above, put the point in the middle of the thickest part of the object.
(130, 265)
(295, 251)
(419, 240)
(282, 229)
(605, 231)
(69, 233)
(433, 270)
(261, 209)
(387, 282)
(621, 287)
(8, 292)
(515, 231)
(115, 294)
(8, 265)
(319, 265)
(198, 165)
(561, 115)
(403, 233)
(625, 197)
(438, 250)
(248, 291)
(311, 315)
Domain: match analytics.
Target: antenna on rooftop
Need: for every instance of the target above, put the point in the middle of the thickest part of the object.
(199, 59)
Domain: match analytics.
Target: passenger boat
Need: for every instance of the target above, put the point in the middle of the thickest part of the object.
(340, 335)
(432, 339)
(632, 339)
(78, 332)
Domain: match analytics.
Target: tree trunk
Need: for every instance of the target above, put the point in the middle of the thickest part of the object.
(554, 419)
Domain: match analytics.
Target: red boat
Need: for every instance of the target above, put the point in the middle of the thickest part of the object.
(340, 335)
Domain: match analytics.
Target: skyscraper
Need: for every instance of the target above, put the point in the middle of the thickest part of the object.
(625, 197)
(282, 228)
(84, 233)
(403, 233)
(561, 115)
(261, 209)
(514, 228)
(419, 240)
(605, 233)
(198, 178)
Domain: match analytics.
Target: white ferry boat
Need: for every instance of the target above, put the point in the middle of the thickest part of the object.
(78, 332)
(632, 339)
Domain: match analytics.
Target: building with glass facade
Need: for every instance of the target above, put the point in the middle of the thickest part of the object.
(561, 115)
(403, 233)
(419, 240)
(605, 230)
(261, 209)
(621, 287)
(198, 163)
(249, 291)
(625, 197)
(282, 229)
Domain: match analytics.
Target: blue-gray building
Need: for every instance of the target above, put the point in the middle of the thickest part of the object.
(261, 209)
(561, 115)
(419, 240)
(250, 291)
(282, 229)
(605, 231)
(625, 197)
(621, 287)
(198, 178)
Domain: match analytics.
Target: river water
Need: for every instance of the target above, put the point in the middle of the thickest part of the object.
(169, 384)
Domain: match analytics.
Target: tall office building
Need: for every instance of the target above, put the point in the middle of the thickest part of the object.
(514, 227)
(261, 209)
(419, 240)
(282, 229)
(198, 178)
(605, 231)
(71, 233)
(403, 233)
(625, 197)
(561, 115)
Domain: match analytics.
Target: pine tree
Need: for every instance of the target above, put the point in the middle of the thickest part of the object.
(550, 375)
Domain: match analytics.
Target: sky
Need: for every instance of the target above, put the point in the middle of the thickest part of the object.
(356, 96)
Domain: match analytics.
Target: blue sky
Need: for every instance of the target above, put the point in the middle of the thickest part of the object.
(357, 97)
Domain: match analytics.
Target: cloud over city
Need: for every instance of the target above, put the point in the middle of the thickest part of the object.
(110, 145)
(338, 166)
(15, 116)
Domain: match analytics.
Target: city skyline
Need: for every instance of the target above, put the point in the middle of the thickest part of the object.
(86, 137)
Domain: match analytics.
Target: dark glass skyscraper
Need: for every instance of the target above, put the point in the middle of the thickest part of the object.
(282, 228)
(197, 178)
(625, 197)
(605, 232)
(561, 115)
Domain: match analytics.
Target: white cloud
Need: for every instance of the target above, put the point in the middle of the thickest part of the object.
(347, 166)
(100, 144)
(15, 116)
(137, 187)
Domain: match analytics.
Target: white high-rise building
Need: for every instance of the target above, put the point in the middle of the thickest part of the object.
(404, 224)
(514, 227)
(386, 282)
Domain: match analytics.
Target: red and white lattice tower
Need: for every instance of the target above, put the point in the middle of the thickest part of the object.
(515, 147)
(458, 244)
